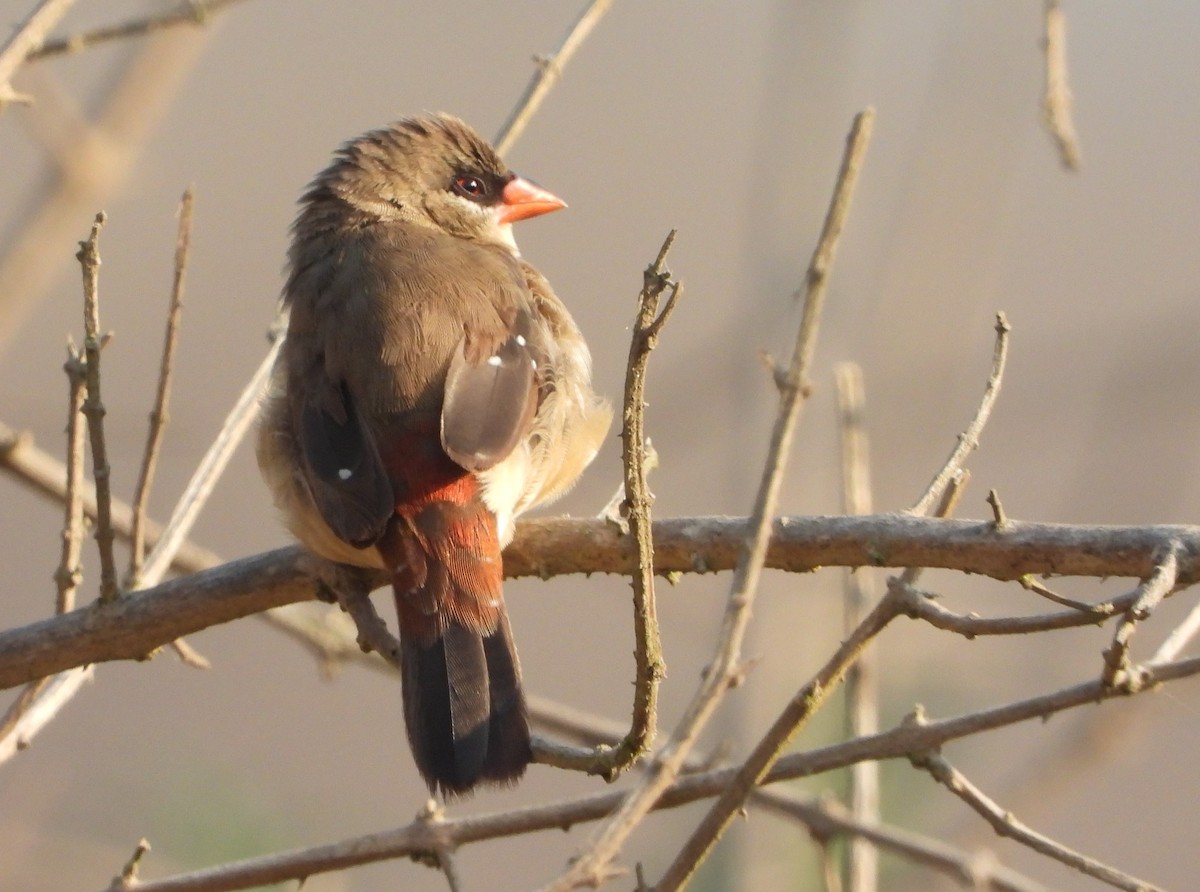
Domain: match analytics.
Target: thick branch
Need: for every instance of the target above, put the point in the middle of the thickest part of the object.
(552, 547)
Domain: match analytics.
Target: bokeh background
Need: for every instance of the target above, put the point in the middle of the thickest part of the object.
(725, 120)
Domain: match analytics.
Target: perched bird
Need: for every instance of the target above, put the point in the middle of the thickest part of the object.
(430, 389)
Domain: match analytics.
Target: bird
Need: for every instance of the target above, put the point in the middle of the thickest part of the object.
(431, 387)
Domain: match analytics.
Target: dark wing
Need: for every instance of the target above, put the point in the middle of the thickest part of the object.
(341, 462)
(490, 396)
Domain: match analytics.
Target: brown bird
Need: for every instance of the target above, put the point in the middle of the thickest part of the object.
(431, 388)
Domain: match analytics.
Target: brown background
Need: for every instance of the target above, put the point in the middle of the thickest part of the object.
(725, 120)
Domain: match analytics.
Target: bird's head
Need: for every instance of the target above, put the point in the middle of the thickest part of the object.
(434, 171)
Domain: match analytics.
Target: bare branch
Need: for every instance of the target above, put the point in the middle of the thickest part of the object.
(549, 70)
(650, 667)
(968, 440)
(1160, 583)
(552, 547)
(862, 715)
(1179, 638)
(159, 414)
(37, 706)
(199, 488)
(421, 838)
(1056, 101)
(101, 157)
(41, 699)
(766, 752)
(724, 670)
(21, 457)
(823, 816)
(1039, 588)
(128, 878)
(28, 35)
(924, 605)
(94, 411)
(190, 12)
(1006, 824)
(69, 573)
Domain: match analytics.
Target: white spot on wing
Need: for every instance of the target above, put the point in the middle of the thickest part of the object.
(345, 473)
(494, 360)
(521, 340)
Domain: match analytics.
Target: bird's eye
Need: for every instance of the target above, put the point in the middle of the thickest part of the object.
(470, 187)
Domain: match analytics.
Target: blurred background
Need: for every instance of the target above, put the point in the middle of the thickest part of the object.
(726, 121)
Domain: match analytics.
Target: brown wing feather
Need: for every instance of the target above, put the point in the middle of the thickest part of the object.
(491, 395)
(341, 464)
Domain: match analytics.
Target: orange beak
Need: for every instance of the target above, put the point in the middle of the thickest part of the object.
(523, 199)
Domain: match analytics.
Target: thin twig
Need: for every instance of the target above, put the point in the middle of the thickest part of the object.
(725, 669)
(46, 696)
(1117, 668)
(999, 517)
(128, 877)
(37, 706)
(1029, 583)
(635, 523)
(800, 709)
(1056, 101)
(421, 837)
(200, 487)
(794, 388)
(549, 70)
(97, 160)
(69, 573)
(24, 460)
(159, 415)
(190, 12)
(968, 440)
(862, 703)
(924, 605)
(825, 817)
(29, 34)
(1006, 824)
(766, 752)
(648, 657)
(1179, 638)
(93, 409)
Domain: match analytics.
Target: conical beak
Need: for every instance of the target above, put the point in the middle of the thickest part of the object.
(523, 199)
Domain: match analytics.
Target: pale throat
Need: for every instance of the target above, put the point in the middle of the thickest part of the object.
(504, 236)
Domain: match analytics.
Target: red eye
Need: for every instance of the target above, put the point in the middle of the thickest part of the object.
(469, 186)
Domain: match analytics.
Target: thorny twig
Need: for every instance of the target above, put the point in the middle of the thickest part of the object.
(647, 648)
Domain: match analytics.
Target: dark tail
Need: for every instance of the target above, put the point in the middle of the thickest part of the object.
(463, 705)
(464, 708)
